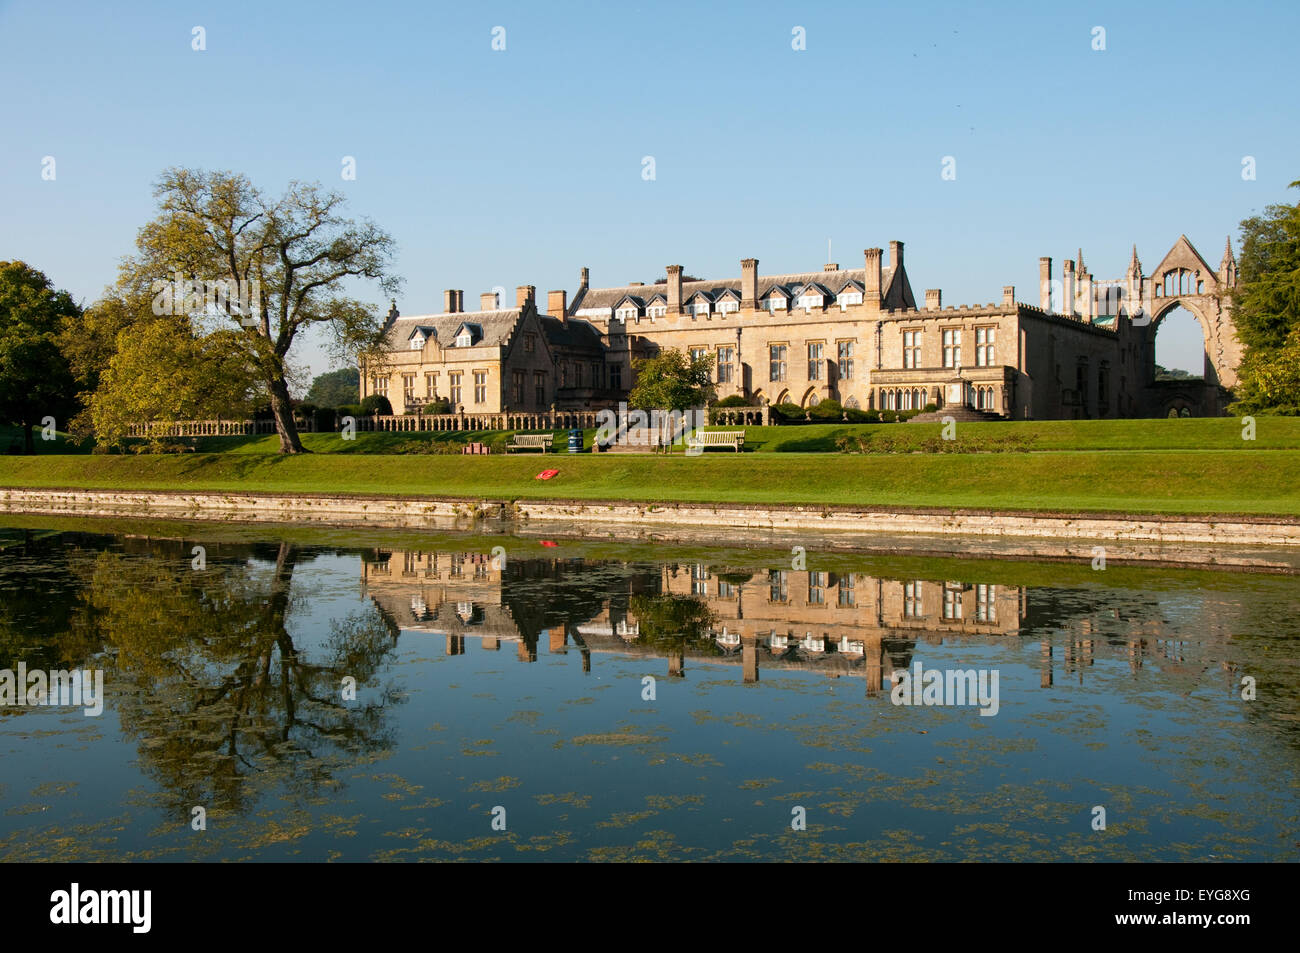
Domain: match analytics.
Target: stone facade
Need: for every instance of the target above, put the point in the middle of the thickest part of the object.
(854, 335)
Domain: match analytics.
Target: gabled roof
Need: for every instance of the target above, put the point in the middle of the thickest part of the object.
(814, 287)
(473, 328)
(629, 297)
(425, 330)
(701, 293)
(1183, 255)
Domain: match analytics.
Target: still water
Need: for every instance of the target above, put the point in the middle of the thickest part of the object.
(531, 699)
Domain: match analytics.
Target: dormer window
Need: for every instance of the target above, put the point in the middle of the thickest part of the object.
(775, 303)
(628, 313)
(847, 298)
(464, 339)
(810, 300)
(727, 307)
(657, 311)
(417, 343)
(702, 307)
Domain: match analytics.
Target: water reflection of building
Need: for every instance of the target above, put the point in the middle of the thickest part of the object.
(836, 623)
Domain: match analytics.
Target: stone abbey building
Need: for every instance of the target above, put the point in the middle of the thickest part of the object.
(856, 335)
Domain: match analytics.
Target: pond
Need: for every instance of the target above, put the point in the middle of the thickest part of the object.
(302, 694)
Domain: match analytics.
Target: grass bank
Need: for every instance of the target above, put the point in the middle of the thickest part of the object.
(1260, 481)
(1220, 433)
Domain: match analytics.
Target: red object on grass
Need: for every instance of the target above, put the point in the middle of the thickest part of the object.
(547, 542)
(546, 474)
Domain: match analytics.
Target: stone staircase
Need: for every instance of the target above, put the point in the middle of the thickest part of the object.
(962, 414)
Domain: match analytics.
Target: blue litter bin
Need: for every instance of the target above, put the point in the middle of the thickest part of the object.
(575, 441)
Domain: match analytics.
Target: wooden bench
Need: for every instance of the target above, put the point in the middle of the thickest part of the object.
(540, 442)
(703, 439)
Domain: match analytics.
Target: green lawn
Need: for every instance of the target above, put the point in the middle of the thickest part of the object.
(1223, 433)
(1185, 481)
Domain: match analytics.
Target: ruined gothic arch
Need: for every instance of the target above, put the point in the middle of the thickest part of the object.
(1190, 304)
(1184, 279)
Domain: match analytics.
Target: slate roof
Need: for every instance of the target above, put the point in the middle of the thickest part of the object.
(572, 335)
(495, 327)
(833, 281)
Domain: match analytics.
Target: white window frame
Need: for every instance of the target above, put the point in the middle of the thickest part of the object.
(950, 341)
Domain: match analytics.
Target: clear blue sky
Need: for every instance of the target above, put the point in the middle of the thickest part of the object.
(521, 166)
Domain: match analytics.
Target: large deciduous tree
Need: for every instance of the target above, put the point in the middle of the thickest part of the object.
(35, 379)
(226, 255)
(1266, 311)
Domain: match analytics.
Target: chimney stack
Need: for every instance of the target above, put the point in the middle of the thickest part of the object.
(674, 289)
(524, 294)
(871, 282)
(449, 301)
(557, 304)
(585, 275)
(1008, 296)
(487, 301)
(460, 300)
(831, 266)
(748, 284)
(896, 255)
(1067, 289)
(1045, 283)
(933, 299)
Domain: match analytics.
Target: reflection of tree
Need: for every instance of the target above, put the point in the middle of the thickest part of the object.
(37, 605)
(675, 622)
(223, 703)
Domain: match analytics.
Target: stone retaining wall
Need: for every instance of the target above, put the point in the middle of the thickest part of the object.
(1218, 540)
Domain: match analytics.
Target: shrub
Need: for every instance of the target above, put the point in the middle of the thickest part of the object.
(350, 410)
(323, 419)
(888, 416)
(826, 410)
(376, 404)
(930, 408)
(789, 412)
(856, 416)
(439, 406)
(735, 400)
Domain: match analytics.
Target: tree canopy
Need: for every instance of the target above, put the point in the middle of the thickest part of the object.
(35, 378)
(672, 381)
(1266, 311)
(335, 388)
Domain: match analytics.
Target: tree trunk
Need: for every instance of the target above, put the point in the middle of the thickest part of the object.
(282, 408)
